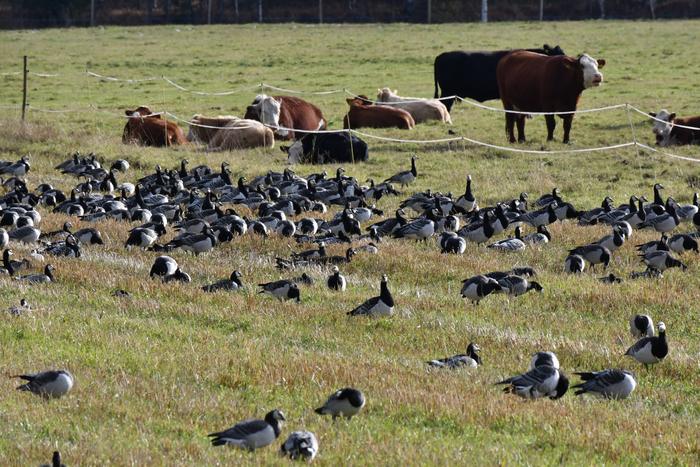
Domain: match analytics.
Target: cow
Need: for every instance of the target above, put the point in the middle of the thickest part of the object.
(363, 114)
(200, 127)
(326, 148)
(287, 112)
(420, 109)
(146, 129)
(473, 74)
(532, 82)
(669, 133)
(242, 133)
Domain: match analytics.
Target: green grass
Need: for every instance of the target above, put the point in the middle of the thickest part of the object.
(157, 372)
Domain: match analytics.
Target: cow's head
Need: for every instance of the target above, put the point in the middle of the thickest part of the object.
(556, 50)
(589, 65)
(385, 95)
(663, 123)
(266, 110)
(141, 111)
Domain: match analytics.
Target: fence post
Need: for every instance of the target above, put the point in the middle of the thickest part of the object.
(260, 16)
(24, 87)
(541, 10)
(235, 10)
(92, 13)
(430, 12)
(209, 12)
(320, 11)
(484, 11)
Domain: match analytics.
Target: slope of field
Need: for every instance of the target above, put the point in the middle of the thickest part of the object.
(158, 371)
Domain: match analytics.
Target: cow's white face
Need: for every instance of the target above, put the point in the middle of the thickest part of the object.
(295, 153)
(269, 110)
(662, 129)
(591, 75)
(384, 95)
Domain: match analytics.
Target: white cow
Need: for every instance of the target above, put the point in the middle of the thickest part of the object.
(201, 130)
(235, 133)
(420, 109)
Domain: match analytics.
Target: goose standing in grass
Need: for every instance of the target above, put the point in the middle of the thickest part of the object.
(383, 305)
(680, 243)
(594, 254)
(478, 232)
(47, 383)
(10, 266)
(663, 223)
(232, 283)
(654, 245)
(282, 290)
(574, 264)
(467, 202)
(55, 461)
(300, 445)
(517, 285)
(544, 216)
(337, 281)
(450, 242)
(251, 434)
(195, 243)
(641, 326)
(144, 237)
(613, 241)
(346, 402)
(610, 384)
(544, 359)
(539, 382)
(470, 359)
(17, 310)
(18, 169)
(419, 229)
(661, 260)
(479, 287)
(44, 278)
(688, 211)
(650, 350)
(406, 177)
(26, 234)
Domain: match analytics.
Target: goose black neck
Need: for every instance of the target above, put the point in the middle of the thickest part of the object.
(385, 295)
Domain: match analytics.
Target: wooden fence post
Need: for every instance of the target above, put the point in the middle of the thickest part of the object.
(24, 88)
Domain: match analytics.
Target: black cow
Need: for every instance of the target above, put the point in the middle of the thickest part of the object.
(326, 148)
(473, 74)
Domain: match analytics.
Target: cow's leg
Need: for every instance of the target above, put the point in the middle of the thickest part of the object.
(551, 125)
(521, 127)
(510, 123)
(567, 126)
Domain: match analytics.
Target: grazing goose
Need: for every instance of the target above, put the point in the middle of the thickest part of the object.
(516, 285)
(47, 383)
(688, 211)
(163, 267)
(346, 402)
(18, 169)
(471, 359)
(23, 306)
(55, 461)
(420, 229)
(540, 237)
(282, 290)
(478, 232)
(26, 234)
(539, 382)
(195, 243)
(388, 226)
(467, 202)
(663, 223)
(4, 238)
(650, 350)
(613, 241)
(517, 271)
(680, 243)
(641, 326)
(478, 287)
(610, 279)
(307, 226)
(450, 242)
(337, 282)
(46, 277)
(544, 359)
(611, 384)
(300, 445)
(286, 228)
(406, 177)
(655, 245)
(143, 237)
(251, 434)
(661, 260)
(383, 305)
(594, 254)
(232, 283)
(510, 244)
(574, 264)
(120, 165)
(544, 216)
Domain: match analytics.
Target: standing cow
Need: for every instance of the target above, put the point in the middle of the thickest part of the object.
(668, 132)
(531, 82)
(147, 129)
(288, 112)
(473, 74)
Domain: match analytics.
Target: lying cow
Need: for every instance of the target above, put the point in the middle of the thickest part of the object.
(420, 109)
(473, 74)
(225, 133)
(363, 114)
(326, 148)
(144, 128)
(287, 112)
(199, 127)
(669, 133)
(531, 82)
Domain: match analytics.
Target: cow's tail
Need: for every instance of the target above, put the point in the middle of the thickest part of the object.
(435, 77)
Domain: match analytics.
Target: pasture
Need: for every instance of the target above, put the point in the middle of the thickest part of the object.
(158, 371)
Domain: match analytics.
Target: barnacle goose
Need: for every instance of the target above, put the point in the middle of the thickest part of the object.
(470, 359)
(594, 254)
(300, 445)
(383, 305)
(26, 234)
(680, 243)
(251, 434)
(610, 383)
(406, 177)
(641, 326)
(650, 350)
(450, 242)
(478, 287)
(346, 402)
(610, 279)
(574, 264)
(46, 277)
(661, 260)
(282, 290)
(467, 202)
(232, 283)
(517, 285)
(540, 237)
(544, 359)
(539, 382)
(47, 383)
(337, 281)
(510, 244)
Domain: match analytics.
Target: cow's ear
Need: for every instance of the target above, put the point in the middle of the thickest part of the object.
(672, 117)
(129, 113)
(601, 62)
(284, 149)
(349, 101)
(652, 114)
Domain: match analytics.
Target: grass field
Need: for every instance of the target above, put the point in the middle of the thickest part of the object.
(155, 373)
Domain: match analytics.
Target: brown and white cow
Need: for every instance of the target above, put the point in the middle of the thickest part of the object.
(144, 128)
(531, 82)
(363, 114)
(242, 133)
(420, 109)
(668, 132)
(287, 112)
